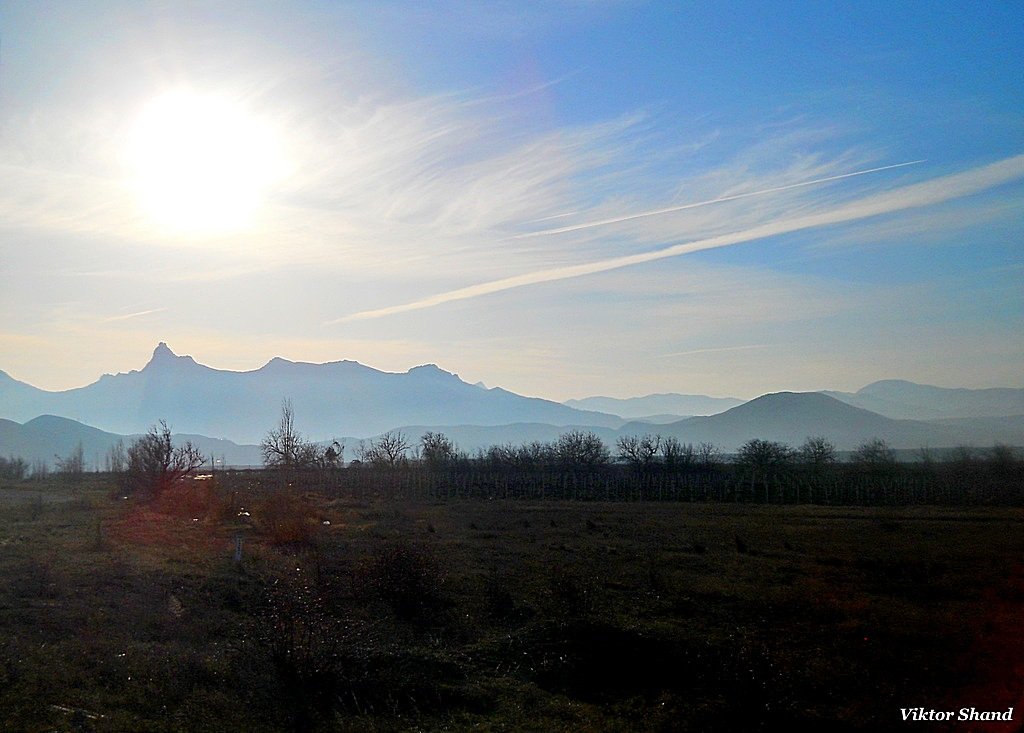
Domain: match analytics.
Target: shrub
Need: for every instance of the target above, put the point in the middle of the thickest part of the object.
(408, 578)
(155, 465)
(286, 518)
(304, 643)
(13, 468)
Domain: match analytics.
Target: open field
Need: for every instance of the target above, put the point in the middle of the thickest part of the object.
(344, 614)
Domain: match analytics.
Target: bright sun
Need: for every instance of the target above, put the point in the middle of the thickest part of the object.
(201, 165)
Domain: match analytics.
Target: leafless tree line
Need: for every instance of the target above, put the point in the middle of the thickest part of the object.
(579, 465)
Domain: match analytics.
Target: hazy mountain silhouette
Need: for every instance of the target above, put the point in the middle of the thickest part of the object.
(790, 417)
(787, 417)
(346, 398)
(657, 407)
(900, 399)
(48, 437)
(337, 398)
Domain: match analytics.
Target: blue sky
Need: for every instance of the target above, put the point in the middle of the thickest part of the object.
(561, 198)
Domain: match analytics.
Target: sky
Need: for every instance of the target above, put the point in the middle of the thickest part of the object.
(561, 198)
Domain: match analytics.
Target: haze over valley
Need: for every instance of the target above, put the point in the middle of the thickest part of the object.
(228, 413)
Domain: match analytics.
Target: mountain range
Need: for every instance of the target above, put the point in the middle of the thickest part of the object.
(657, 407)
(333, 399)
(904, 400)
(352, 402)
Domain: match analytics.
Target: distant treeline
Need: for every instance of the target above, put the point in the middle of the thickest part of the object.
(578, 466)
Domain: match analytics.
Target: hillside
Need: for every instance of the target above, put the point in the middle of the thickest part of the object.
(790, 417)
(48, 437)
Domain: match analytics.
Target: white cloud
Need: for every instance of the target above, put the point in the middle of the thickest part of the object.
(927, 193)
(709, 202)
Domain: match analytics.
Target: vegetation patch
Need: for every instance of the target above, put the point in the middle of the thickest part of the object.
(156, 614)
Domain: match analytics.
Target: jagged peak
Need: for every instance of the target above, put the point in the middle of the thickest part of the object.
(163, 351)
(162, 355)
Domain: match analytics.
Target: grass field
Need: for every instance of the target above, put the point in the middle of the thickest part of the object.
(123, 615)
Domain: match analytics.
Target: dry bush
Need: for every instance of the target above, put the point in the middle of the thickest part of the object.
(408, 578)
(286, 518)
(195, 500)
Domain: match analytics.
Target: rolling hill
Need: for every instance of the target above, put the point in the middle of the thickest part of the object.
(791, 417)
(49, 437)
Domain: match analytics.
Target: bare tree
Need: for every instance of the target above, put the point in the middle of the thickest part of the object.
(874, 455)
(817, 452)
(675, 454)
(766, 458)
(535, 454)
(579, 449)
(13, 468)
(284, 447)
(333, 455)
(116, 459)
(388, 450)
(709, 455)
(1002, 459)
(438, 450)
(40, 470)
(156, 465)
(72, 465)
(639, 452)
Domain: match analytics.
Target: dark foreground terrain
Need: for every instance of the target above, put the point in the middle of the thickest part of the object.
(372, 615)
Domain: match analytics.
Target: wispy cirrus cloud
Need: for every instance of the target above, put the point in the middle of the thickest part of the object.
(927, 193)
(709, 202)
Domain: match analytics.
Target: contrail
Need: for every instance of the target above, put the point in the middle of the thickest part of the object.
(714, 351)
(927, 193)
(133, 315)
(697, 204)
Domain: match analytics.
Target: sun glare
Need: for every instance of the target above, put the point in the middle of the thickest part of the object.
(202, 165)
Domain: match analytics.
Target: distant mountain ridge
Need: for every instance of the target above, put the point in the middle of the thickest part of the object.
(332, 399)
(786, 417)
(343, 399)
(657, 406)
(792, 417)
(900, 399)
